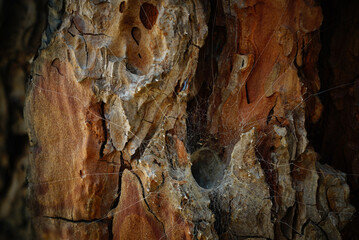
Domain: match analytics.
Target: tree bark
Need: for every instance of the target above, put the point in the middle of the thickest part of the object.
(180, 120)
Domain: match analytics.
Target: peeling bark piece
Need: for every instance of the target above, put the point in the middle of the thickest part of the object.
(333, 195)
(181, 151)
(118, 125)
(269, 83)
(310, 18)
(244, 194)
(281, 164)
(286, 39)
(305, 180)
(312, 231)
(330, 229)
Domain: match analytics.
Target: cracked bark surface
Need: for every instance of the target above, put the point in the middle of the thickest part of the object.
(180, 120)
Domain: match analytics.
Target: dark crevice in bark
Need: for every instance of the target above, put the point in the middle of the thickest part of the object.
(195, 230)
(196, 227)
(110, 233)
(245, 237)
(247, 96)
(271, 176)
(122, 169)
(270, 115)
(86, 50)
(117, 199)
(295, 218)
(53, 64)
(195, 45)
(103, 120)
(286, 222)
(222, 219)
(197, 108)
(75, 221)
(141, 149)
(206, 74)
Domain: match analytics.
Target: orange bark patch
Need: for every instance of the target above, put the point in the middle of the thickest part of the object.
(181, 152)
(270, 87)
(132, 218)
(66, 176)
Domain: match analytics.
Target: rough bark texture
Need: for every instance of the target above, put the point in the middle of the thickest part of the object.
(180, 120)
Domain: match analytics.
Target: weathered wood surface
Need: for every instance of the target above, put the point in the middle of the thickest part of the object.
(124, 95)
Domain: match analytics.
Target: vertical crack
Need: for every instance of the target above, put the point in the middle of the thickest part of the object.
(198, 120)
(103, 119)
(247, 96)
(117, 199)
(222, 218)
(110, 233)
(198, 107)
(148, 206)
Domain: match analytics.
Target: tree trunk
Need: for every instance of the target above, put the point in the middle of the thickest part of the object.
(180, 120)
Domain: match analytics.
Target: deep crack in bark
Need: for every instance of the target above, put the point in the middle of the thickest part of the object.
(148, 206)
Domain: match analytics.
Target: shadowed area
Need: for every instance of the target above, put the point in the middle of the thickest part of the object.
(207, 168)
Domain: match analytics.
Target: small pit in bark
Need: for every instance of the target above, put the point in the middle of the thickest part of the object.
(136, 35)
(207, 169)
(122, 6)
